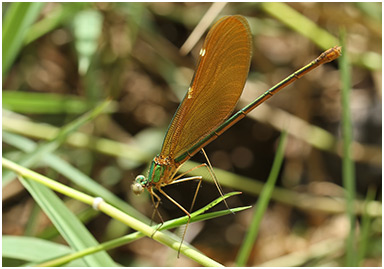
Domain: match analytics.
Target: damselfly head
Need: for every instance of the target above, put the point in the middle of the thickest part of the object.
(138, 185)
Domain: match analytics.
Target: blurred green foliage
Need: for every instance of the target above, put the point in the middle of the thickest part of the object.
(61, 60)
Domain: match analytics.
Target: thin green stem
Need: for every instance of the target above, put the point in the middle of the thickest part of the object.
(118, 214)
(348, 169)
(46, 147)
(262, 204)
(136, 235)
(366, 222)
(304, 201)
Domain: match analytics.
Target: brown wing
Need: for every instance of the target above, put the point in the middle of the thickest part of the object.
(216, 86)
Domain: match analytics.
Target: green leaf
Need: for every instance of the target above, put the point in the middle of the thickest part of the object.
(73, 174)
(262, 204)
(34, 249)
(34, 157)
(348, 168)
(137, 235)
(17, 21)
(300, 24)
(42, 195)
(39, 103)
(73, 231)
(366, 228)
(55, 18)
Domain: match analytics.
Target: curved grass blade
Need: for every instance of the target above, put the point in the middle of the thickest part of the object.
(113, 212)
(44, 103)
(32, 249)
(34, 157)
(53, 20)
(73, 174)
(262, 204)
(300, 24)
(348, 166)
(17, 21)
(69, 226)
(137, 235)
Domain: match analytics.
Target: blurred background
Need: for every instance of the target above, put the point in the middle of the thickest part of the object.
(75, 55)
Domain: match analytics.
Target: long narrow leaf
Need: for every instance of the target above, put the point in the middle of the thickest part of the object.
(73, 174)
(34, 249)
(73, 231)
(57, 17)
(40, 103)
(262, 204)
(348, 169)
(111, 211)
(32, 158)
(319, 36)
(137, 235)
(16, 23)
(300, 23)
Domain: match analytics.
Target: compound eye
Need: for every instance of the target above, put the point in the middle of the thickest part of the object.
(137, 188)
(140, 179)
(138, 185)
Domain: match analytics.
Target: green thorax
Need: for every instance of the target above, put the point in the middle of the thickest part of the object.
(161, 170)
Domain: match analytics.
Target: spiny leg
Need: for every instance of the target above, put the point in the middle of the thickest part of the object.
(155, 210)
(196, 192)
(178, 179)
(211, 172)
(184, 210)
(186, 172)
(200, 178)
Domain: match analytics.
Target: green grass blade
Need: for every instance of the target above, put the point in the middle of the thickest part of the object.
(133, 153)
(44, 103)
(34, 157)
(348, 167)
(73, 174)
(34, 249)
(137, 235)
(323, 39)
(110, 211)
(183, 220)
(17, 21)
(301, 24)
(194, 215)
(305, 201)
(262, 204)
(73, 231)
(69, 226)
(366, 228)
(371, 9)
(59, 16)
(137, 155)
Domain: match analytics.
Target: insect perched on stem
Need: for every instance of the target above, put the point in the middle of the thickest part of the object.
(204, 113)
